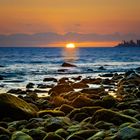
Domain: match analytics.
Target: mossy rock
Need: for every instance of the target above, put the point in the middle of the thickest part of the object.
(66, 108)
(98, 136)
(108, 115)
(15, 108)
(82, 101)
(54, 123)
(83, 134)
(62, 132)
(18, 135)
(53, 136)
(53, 113)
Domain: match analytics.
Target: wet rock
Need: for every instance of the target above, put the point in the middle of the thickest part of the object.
(84, 133)
(65, 64)
(102, 68)
(53, 136)
(66, 108)
(4, 131)
(77, 78)
(79, 85)
(128, 133)
(4, 125)
(129, 112)
(62, 132)
(15, 91)
(109, 101)
(37, 134)
(107, 75)
(54, 123)
(62, 70)
(82, 101)
(93, 90)
(62, 88)
(104, 125)
(30, 85)
(85, 110)
(18, 135)
(74, 137)
(42, 86)
(15, 108)
(98, 136)
(111, 116)
(53, 113)
(48, 79)
(1, 66)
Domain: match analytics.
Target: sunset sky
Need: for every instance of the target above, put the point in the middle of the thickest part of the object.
(95, 18)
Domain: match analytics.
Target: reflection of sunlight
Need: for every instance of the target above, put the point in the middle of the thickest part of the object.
(70, 55)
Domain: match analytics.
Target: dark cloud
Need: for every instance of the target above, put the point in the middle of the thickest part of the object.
(50, 38)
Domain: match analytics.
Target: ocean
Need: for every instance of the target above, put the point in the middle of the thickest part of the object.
(19, 66)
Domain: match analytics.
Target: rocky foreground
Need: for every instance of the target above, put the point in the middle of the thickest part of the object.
(88, 114)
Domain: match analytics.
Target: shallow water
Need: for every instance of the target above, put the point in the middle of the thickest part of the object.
(23, 65)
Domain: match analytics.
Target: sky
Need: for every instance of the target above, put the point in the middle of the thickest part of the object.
(96, 19)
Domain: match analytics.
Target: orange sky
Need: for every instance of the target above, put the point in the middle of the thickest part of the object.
(61, 16)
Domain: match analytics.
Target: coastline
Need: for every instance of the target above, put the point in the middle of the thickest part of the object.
(74, 109)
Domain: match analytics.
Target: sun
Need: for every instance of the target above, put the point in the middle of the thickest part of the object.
(70, 45)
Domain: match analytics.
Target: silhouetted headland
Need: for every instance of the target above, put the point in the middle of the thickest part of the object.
(130, 43)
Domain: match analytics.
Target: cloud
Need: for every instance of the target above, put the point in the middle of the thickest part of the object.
(45, 39)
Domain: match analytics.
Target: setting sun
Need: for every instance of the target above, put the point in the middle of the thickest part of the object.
(70, 45)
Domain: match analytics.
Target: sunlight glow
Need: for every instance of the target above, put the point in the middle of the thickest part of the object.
(70, 45)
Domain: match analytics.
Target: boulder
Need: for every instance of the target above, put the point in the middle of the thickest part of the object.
(79, 85)
(53, 113)
(18, 135)
(15, 108)
(4, 131)
(108, 115)
(30, 85)
(1, 77)
(61, 88)
(53, 136)
(48, 79)
(101, 68)
(128, 133)
(98, 136)
(82, 101)
(54, 123)
(65, 64)
(62, 132)
(66, 108)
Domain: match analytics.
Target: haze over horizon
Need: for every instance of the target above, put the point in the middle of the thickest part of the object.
(56, 22)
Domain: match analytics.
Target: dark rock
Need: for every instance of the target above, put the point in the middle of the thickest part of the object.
(82, 101)
(65, 64)
(62, 88)
(98, 136)
(129, 112)
(66, 108)
(4, 137)
(4, 125)
(53, 113)
(48, 79)
(54, 123)
(111, 116)
(104, 125)
(15, 108)
(62, 70)
(53, 136)
(93, 90)
(75, 137)
(80, 116)
(30, 85)
(79, 85)
(37, 134)
(83, 134)
(4, 131)
(44, 86)
(107, 75)
(101, 68)
(77, 78)
(86, 110)
(62, 132)
(63, 80)
(1, 66)
(128, 133)
(15, 91)
(18, 135)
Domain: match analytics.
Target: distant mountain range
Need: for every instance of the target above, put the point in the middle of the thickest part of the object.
(130, 43)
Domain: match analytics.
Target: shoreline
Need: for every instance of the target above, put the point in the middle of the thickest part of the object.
(74, 109)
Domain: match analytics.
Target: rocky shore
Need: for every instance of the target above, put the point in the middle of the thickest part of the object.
(74, 110)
